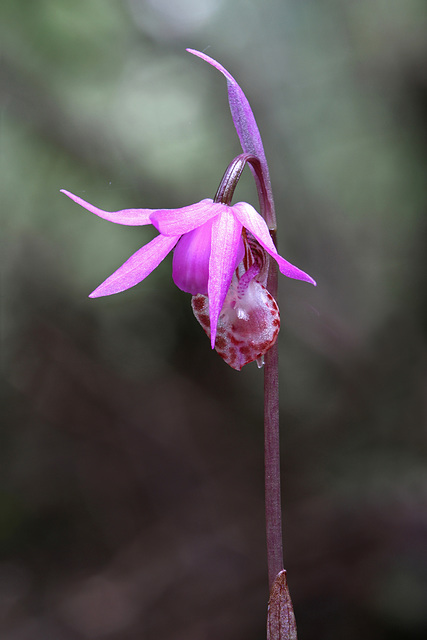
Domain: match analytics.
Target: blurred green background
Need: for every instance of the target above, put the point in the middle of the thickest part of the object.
(131, 458)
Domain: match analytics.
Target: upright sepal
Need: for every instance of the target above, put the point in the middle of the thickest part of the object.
(245, 125)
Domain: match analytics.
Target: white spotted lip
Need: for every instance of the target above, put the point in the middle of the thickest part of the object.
(248, 324)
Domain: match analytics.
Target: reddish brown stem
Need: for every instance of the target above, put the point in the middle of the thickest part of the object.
(273, 509)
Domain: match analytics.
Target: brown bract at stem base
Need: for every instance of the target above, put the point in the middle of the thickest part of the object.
(281, 623)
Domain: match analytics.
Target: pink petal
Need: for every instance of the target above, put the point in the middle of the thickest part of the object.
(131, 217)
(190, 266)
(225, 249)
(252, 221)
(191, 259)
(138, 267)
(176, 222)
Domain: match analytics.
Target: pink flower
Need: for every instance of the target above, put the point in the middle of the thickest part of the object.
(209, 246)
(220, 249)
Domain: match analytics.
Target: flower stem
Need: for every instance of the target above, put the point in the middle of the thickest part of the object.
(273, 506)
(273, 510)
(231, 177)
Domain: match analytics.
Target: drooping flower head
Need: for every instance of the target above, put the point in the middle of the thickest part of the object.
(218, 251)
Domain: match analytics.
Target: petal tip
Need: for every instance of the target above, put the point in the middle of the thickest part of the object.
(194, 52)
(100, 291)
(302, 277)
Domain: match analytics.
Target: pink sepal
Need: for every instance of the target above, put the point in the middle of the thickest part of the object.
(225, 248)
(252, 221)
(131, 217)
(137, 267)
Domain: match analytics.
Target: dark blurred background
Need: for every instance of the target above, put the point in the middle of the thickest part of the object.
(131, 458)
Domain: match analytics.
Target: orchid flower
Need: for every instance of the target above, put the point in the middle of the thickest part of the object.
(208, 241)
(211, 238)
